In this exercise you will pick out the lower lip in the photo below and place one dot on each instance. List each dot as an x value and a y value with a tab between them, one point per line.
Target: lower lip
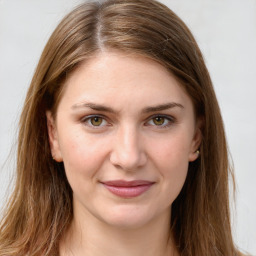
128	192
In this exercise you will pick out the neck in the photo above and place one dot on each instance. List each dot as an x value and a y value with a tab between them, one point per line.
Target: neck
90	236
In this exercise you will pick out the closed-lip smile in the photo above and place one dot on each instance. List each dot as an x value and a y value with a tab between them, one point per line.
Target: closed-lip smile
128	189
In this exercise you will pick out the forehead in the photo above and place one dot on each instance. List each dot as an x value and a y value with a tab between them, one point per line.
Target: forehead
118	78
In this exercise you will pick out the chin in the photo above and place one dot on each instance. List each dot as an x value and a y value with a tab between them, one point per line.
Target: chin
127	217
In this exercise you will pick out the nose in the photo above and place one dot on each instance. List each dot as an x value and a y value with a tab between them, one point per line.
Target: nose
127	152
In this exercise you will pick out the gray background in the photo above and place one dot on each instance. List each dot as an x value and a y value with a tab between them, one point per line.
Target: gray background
226	33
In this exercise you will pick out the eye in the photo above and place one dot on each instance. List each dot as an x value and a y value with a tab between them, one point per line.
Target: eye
161	121
95	121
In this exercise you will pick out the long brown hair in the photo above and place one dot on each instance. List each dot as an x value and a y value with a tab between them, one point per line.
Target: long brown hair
40	209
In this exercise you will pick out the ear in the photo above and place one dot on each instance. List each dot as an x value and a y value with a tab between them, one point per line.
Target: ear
53	137
196	142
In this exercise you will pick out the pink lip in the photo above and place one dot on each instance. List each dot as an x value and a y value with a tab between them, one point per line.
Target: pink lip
128	189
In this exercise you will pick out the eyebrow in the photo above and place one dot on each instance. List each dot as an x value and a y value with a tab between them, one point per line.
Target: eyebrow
162	107
93	106
99	107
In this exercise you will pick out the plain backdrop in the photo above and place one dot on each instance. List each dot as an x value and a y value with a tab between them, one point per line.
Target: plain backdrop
226	33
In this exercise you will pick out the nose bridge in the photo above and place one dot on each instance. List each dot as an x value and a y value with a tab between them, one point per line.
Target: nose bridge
128	152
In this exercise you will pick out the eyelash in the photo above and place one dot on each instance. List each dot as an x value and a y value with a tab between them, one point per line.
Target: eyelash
168	121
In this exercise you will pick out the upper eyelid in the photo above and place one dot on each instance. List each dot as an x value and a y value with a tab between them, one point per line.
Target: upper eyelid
93	115
169	117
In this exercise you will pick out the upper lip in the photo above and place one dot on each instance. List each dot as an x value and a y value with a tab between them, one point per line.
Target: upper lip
124	183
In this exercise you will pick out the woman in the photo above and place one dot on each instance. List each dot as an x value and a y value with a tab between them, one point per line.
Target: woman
121	148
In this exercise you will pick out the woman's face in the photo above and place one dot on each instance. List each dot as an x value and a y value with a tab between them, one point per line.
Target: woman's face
126	131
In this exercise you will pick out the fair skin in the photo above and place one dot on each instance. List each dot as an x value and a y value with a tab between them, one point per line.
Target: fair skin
123	118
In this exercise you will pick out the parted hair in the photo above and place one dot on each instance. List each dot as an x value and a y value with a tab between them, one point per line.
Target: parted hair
39	211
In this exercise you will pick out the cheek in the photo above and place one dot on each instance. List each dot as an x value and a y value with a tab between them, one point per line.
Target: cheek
171	159
83	157
172	150
82	154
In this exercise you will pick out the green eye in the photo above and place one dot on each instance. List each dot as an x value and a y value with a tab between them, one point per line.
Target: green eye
159	120
96	120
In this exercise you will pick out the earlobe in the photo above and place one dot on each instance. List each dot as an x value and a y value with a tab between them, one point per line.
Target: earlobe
53	137
194	155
